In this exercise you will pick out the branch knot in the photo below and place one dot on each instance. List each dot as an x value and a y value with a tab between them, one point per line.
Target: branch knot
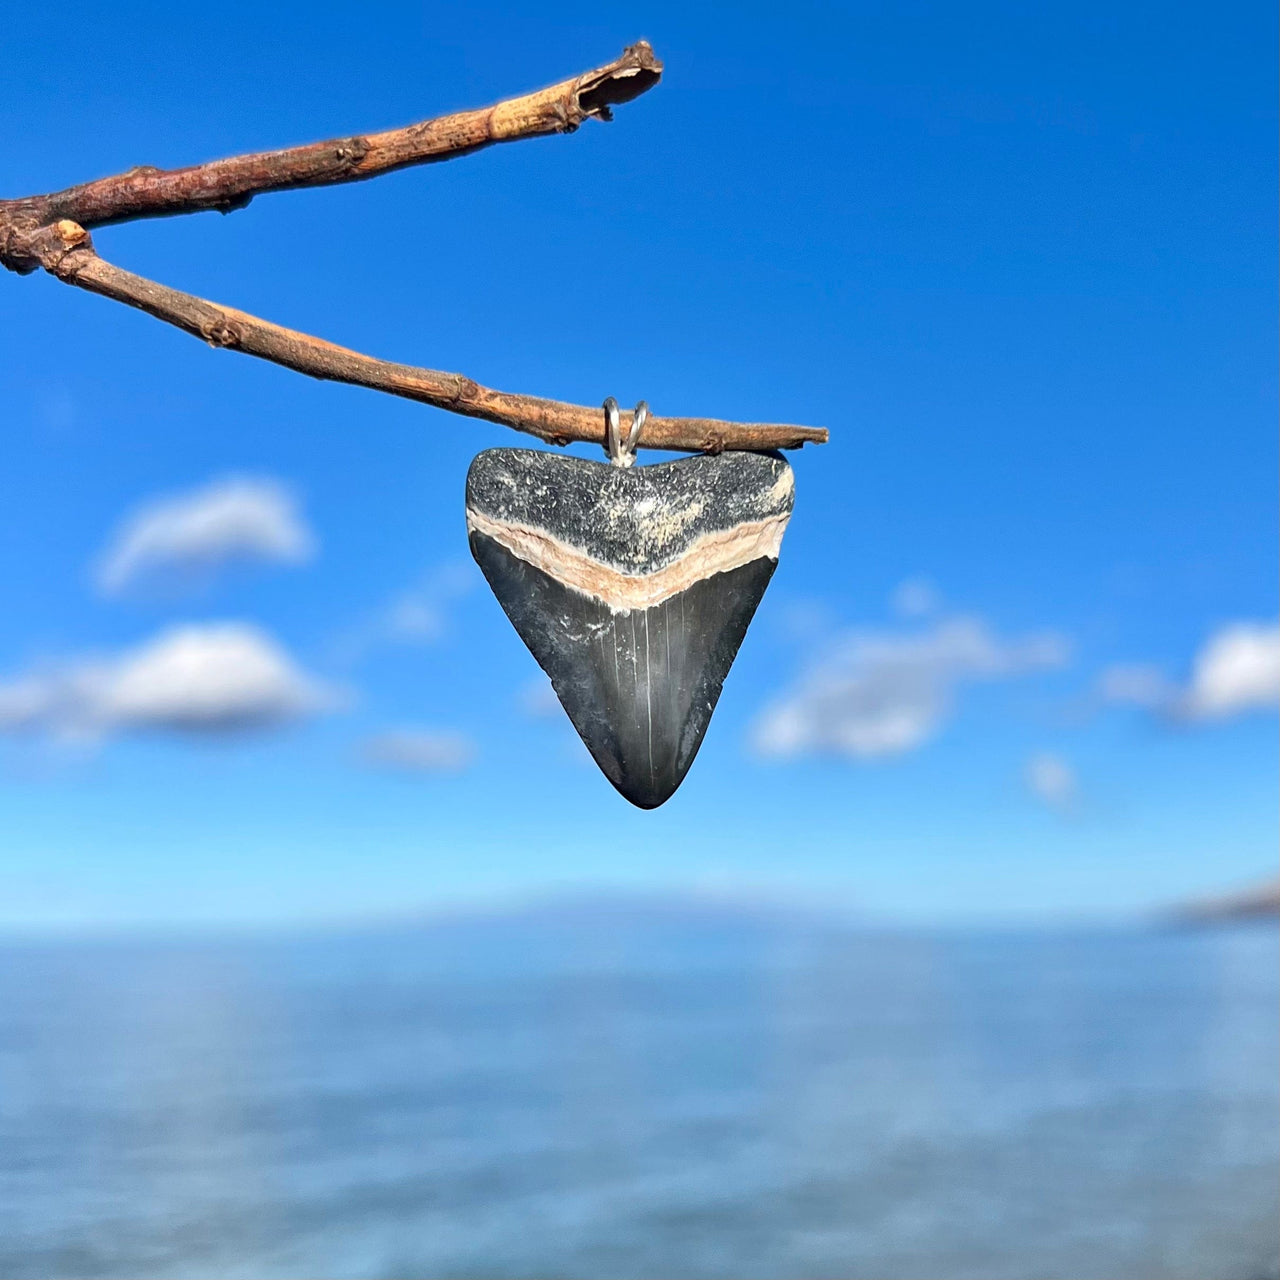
221	331
349	152
60	248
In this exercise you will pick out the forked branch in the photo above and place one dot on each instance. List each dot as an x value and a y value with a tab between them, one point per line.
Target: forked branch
51	231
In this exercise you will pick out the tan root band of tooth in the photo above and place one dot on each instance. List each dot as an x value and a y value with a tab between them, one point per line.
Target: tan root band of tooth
572	567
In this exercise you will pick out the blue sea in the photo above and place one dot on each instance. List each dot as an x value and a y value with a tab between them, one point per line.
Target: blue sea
662	1090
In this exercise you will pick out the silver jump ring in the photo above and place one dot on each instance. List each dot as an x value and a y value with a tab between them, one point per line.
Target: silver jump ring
638	419
622	454
611	445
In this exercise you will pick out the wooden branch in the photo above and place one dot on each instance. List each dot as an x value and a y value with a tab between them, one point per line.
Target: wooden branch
50	231
225	185
68	253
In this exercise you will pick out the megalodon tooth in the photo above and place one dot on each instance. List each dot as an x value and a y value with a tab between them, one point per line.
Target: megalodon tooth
633	588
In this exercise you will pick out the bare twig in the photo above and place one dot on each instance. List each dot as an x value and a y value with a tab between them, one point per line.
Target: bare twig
49	231
68	253
224	185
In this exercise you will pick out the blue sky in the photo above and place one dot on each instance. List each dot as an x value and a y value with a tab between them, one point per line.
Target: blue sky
1019	657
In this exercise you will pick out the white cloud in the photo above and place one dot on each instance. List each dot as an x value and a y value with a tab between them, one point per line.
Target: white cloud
419	751
1052	780
878	694
186	537
196	679
1236	671
916	598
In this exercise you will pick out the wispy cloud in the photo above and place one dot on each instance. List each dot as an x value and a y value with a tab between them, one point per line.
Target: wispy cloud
916	598
1236	671
206	679
1052	781
875	693
1136	684
538	700
420	614
419	751
183	539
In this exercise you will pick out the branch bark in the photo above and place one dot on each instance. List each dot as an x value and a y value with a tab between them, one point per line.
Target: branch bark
51	231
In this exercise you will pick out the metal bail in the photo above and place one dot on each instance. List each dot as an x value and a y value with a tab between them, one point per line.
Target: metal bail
622	453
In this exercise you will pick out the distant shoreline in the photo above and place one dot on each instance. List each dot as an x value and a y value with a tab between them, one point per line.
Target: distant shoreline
1261	902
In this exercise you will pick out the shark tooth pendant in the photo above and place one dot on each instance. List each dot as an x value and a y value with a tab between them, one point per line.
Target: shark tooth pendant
632	587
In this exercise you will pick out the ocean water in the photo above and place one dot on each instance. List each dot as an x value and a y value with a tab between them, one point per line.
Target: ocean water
617	1091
